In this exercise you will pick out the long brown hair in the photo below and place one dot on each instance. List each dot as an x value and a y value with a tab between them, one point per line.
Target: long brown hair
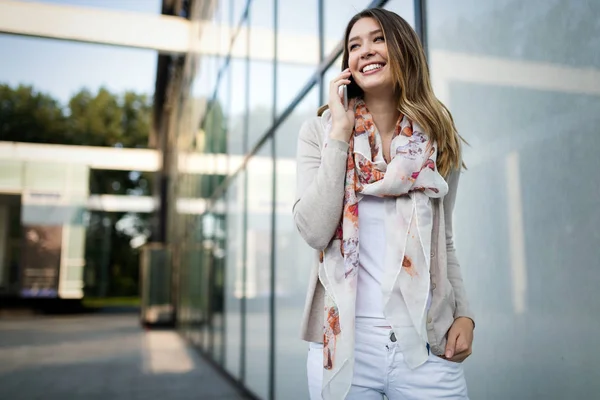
416	99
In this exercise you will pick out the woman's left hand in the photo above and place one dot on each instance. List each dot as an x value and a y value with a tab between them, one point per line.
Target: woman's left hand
460	340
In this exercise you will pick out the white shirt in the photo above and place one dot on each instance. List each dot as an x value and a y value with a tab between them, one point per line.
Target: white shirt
372	240
369	298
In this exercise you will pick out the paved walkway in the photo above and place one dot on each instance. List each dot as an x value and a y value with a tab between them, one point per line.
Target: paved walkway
101	356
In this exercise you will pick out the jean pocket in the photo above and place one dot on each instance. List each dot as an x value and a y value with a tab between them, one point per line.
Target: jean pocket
441	360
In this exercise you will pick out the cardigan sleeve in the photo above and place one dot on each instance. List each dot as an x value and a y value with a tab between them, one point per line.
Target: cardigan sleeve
320	185
454	272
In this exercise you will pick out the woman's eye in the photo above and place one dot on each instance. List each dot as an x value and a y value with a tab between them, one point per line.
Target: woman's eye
380	38
353	46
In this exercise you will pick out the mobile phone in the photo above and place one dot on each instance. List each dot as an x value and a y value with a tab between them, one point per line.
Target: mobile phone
345	94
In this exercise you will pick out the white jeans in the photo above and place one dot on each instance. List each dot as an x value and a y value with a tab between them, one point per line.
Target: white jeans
379	369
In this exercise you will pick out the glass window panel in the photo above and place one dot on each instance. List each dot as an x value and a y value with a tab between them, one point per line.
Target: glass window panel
206	261
184	315
293	260
220	138
291	78
221	25
71	67
239	6
261	101
233	274
215	139
526	224
493	30
146	7
237	110
223	99
258	271
218	280
297	49
204	82
337	15
261	70
330	74
261	19
197	290
404	8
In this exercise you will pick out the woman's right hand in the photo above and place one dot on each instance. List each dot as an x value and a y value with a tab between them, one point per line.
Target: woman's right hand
342	120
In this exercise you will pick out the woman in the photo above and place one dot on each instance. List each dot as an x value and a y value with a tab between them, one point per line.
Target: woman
386	309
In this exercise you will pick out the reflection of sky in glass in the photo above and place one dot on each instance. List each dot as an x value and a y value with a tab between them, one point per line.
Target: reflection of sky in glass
236	105
337	15
298	20
223	12
404	8
261	100
292	77
224	92
290	81
239	6
205	79
145	6
62	68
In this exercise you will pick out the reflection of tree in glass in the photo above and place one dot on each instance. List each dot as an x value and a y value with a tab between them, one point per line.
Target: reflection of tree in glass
101	119
214	125
91	119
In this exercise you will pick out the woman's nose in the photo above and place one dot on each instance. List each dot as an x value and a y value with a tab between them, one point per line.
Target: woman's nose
366	52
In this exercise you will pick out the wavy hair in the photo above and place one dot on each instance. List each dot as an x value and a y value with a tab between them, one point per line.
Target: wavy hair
416	100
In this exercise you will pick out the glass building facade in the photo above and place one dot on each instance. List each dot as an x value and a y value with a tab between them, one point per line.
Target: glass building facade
523	82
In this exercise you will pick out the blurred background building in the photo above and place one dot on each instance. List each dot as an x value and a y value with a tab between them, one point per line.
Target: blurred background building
160	137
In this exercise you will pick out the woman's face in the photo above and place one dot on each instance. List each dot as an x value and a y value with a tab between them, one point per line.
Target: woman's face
368	56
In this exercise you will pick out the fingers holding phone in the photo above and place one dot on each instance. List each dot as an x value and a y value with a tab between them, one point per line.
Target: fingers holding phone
342	109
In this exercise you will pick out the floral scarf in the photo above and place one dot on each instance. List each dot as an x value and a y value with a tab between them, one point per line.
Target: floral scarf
411	179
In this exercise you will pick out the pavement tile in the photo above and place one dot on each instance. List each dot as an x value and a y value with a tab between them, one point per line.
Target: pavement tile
101	357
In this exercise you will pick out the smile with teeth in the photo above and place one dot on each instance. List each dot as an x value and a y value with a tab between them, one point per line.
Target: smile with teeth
372	67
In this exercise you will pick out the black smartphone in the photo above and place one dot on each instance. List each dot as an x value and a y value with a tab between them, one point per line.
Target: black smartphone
345	95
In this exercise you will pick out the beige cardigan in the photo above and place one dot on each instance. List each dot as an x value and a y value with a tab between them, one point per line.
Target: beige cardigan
317	212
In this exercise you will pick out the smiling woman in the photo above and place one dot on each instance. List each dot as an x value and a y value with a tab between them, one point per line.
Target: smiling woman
369	73
376	186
